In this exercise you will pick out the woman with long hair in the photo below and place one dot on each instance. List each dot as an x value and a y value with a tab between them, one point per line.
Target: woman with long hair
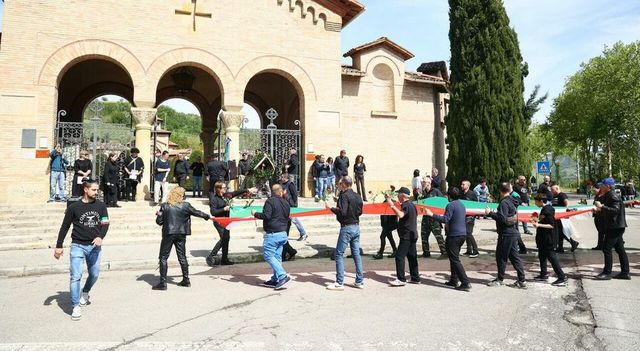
175	218
359	169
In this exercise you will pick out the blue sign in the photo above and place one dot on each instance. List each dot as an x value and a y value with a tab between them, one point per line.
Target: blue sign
544	167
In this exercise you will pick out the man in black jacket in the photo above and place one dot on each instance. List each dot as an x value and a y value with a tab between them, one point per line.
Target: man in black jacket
133	167
521	188
90	221
243	166
470	221
507	247
175	218
181	170
275	220
428	225
408	233
219	206
293	167
215	171
341	165
348	211
613	223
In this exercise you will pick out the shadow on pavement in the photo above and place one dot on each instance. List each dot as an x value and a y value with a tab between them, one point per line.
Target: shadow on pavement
63	299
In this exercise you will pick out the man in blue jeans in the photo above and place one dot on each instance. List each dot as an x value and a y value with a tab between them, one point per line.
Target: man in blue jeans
348	211
275	220
90	224
58	163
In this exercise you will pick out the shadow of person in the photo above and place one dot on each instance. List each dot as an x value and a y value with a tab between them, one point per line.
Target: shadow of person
63	299
199	253
251	280
311	278
153	279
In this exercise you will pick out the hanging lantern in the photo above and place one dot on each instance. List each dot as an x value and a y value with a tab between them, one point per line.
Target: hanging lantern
183	80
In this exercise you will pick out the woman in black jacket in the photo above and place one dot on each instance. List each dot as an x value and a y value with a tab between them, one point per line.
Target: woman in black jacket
175	218
110	181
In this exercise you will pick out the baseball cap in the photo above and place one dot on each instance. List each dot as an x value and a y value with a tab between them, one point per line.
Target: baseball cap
405	191
609	181
598	184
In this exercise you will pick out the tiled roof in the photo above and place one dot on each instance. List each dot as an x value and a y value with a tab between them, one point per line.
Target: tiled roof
384	41
435	68
350	71
347	9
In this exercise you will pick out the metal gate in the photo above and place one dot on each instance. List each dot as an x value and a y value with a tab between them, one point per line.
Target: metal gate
276	142
98	138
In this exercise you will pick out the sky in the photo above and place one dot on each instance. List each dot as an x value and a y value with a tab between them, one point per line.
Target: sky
555	36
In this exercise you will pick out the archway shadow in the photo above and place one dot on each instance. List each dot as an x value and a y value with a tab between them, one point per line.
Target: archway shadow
62	299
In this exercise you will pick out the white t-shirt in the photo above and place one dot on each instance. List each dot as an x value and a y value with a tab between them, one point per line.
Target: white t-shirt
416	182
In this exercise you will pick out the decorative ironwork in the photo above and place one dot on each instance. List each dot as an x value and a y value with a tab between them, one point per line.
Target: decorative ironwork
271	114
101	138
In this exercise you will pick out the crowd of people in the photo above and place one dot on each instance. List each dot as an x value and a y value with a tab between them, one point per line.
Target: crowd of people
90	221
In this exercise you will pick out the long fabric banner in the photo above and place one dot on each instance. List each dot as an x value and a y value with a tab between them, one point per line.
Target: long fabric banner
436	204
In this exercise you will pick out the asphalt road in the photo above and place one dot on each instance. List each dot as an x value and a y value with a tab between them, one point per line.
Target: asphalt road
227	309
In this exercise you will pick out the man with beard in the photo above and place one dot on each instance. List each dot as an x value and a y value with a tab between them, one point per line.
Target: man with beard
614	223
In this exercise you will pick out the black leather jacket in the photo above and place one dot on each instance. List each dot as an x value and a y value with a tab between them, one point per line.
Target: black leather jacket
613	214
176	220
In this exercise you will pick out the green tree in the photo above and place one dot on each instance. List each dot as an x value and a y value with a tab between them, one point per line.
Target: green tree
486	126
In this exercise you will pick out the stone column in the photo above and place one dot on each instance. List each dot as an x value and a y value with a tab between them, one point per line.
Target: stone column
232	121
144	118
207	136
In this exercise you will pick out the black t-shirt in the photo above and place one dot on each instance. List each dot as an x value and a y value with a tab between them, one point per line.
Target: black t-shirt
523	191
559	200
470	195
544	236
408	225
90	221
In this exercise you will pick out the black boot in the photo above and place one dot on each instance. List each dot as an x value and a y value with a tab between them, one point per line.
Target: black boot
162	285
185	276
393	254
211	259
378	255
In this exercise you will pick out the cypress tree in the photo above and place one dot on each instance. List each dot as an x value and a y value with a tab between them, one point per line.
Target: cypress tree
486	126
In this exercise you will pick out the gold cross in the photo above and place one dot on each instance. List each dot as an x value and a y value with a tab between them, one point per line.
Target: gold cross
193	13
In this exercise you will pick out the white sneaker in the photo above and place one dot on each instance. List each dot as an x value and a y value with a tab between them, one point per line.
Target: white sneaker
76	314
335	286
358	285
397	283
84	299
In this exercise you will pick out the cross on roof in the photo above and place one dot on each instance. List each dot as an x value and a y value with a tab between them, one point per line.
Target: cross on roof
193	13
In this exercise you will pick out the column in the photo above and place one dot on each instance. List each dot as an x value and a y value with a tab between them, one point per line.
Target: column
143	118
232	121
207	137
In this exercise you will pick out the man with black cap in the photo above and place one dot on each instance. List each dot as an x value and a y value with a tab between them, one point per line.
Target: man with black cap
613	223
133	166
408	233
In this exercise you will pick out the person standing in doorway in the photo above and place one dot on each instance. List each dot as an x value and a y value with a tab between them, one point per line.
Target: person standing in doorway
359	169
82	168
133	167
197	168
243	166
58	163
110	181
181	171
90	221
293	168
161	174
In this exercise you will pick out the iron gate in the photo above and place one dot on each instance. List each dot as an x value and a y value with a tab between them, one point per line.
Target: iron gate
98	138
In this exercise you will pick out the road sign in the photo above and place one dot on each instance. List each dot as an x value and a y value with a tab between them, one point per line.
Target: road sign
544	167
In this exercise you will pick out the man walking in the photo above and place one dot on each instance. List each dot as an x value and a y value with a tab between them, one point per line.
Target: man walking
290	193
275	219
90	221
613	223
507	247
348	211
58	163
408	233
470	221
428	225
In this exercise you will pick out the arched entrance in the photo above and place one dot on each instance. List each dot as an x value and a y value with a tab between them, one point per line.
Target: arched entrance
278	100
94	101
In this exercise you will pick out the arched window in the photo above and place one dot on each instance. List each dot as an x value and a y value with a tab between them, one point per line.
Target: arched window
383	96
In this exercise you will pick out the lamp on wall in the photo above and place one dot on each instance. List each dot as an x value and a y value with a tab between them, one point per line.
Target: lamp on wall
183	80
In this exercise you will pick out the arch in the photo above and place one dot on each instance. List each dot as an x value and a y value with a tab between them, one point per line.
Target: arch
199	101
95	91
67	56
169	60
385	59
382	89
290	70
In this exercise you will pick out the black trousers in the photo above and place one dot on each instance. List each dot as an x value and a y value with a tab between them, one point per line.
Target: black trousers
613	240
472	246
507	249
453	245
182	180
546	253
387	234
359	178
77	189
222	243
131	189
407	248
287	248
167	242
111	194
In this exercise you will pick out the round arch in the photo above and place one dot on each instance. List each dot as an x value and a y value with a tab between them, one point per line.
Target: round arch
67	56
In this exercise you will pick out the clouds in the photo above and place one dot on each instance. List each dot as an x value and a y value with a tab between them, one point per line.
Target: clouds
555	36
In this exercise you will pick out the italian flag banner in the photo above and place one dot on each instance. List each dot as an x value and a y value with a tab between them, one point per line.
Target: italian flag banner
437	205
